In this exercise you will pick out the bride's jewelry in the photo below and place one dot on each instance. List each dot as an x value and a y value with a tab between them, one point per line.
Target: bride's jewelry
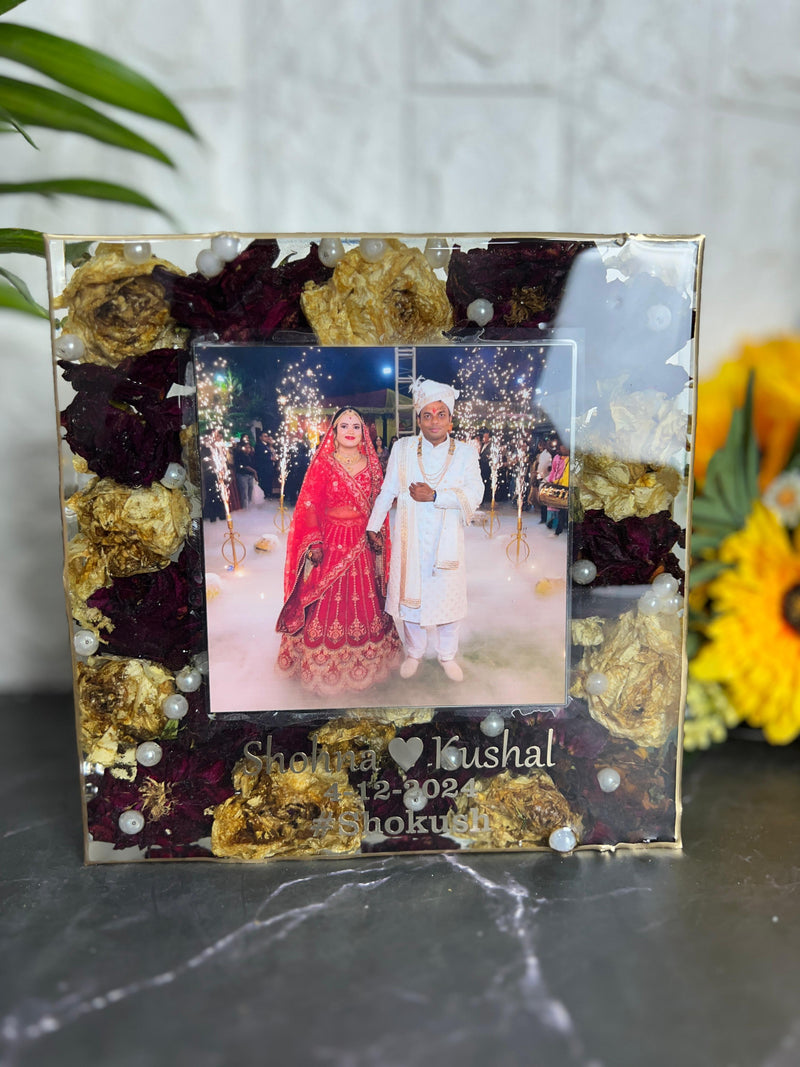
347	461
434	481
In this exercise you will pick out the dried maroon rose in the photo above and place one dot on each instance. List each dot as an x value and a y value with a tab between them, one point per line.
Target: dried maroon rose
121	422
250	299
631	551
152	615
173	796
523	279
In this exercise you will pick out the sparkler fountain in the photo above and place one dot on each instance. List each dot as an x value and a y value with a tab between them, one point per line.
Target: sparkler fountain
215	390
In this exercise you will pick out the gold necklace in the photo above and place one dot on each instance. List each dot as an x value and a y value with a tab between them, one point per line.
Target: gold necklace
434	481
345	461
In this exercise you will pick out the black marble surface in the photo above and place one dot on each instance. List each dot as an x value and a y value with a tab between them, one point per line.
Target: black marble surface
534	959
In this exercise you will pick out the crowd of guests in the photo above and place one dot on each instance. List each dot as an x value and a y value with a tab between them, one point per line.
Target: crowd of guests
542	460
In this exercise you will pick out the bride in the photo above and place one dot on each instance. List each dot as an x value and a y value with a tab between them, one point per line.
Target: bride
336	634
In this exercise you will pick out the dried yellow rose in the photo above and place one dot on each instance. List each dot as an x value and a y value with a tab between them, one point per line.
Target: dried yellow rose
117	308
134	530
522	810
641	660
119	701
398	300
277	815
623	489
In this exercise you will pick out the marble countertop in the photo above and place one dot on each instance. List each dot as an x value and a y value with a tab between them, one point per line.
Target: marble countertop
533	959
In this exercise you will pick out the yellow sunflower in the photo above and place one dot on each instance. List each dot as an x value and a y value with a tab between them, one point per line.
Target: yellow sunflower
754	638
776	404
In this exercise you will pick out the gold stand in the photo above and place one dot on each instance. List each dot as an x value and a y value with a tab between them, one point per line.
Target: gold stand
280	520
233	551
518	542
492	523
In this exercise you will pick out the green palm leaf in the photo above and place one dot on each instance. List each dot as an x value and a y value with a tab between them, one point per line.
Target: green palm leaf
90	187
7	5
12	298
34	105
24	291
7	117
88	71
21	242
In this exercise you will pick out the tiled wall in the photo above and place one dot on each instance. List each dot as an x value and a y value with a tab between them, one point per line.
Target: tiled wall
663	116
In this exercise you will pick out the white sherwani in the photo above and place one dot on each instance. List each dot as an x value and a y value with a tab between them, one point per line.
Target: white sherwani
427	577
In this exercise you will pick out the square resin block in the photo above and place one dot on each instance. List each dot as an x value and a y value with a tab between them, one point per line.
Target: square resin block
376	543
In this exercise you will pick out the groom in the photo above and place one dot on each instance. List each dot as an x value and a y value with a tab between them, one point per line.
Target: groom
438	487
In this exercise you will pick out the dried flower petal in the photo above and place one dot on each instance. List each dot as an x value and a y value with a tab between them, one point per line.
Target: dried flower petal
398	300
275	815
135	530
523	279
354	734
156	616
118	308
124	696
249	300
631	551
587	631
623	489
641	659
522	810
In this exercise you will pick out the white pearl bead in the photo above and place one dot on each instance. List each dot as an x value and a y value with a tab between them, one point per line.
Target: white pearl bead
174	476
414	799
562	840
69	346
131	821
208	263
583	571
225	247
650	604
659	317
372	248
608	779
671	605
595	683
331	250
450	758
149	753
480	311
493	725
188	680
175	706
664	585
437	251
85	642
137	252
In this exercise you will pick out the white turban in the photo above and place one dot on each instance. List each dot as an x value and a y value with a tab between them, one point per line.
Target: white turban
426	391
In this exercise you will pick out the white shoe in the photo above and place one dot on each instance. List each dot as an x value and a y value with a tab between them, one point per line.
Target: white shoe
452	670
408	668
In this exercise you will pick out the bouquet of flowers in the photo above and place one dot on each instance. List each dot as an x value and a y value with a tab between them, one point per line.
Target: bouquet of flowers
744	617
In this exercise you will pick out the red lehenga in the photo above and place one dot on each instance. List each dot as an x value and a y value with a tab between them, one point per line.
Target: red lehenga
336	635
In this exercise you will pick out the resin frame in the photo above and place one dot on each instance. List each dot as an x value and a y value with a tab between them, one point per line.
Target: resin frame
164	776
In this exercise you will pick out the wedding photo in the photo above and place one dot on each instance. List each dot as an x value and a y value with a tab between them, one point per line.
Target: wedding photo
386	527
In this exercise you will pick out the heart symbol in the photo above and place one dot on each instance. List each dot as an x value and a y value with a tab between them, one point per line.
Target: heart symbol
405	753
